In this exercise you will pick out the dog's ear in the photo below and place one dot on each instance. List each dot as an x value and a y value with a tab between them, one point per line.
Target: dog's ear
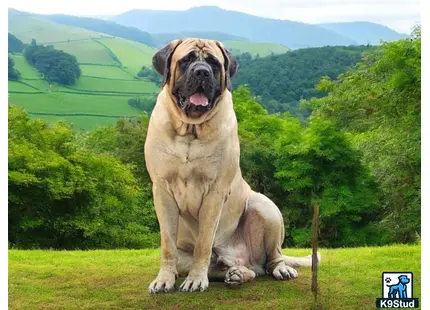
162	60
230	64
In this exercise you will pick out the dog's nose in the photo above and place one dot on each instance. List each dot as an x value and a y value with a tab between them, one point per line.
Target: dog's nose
201	71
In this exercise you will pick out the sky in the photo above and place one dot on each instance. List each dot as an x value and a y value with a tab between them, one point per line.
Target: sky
400	15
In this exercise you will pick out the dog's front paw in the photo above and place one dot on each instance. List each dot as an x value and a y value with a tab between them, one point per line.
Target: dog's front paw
284	272
198	283
164	283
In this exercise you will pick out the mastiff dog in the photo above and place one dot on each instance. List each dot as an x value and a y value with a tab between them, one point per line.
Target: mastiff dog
213	226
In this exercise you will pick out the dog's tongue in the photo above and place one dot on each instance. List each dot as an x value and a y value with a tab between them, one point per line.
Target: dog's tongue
199	99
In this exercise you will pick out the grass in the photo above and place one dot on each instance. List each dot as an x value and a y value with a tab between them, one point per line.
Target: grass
133	55
118	279
105	72
17	86
74	103
132	86
26	28
80	123
254	48
24	67
65	103
86	51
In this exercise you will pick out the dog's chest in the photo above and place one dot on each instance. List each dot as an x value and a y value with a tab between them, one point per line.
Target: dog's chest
193	166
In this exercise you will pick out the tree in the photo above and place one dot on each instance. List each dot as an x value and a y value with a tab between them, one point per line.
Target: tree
57	66
379	104
62	195
13	74
14	44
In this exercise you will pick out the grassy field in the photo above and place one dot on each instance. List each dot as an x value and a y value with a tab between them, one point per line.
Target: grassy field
109	67
86	51
109	85
74	103
108	72
26	28
118	279
254	48
24	68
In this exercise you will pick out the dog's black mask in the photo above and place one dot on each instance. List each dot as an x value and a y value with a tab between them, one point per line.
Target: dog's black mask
199	85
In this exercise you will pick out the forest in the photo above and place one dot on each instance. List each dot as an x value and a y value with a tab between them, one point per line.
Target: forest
357	156
283	80
57	66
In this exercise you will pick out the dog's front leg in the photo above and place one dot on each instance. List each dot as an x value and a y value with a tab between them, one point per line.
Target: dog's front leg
168	217
209	216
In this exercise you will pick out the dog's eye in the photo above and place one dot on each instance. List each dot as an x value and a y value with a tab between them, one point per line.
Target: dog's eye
213	63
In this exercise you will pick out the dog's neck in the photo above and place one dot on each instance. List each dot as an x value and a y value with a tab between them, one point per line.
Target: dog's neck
202	126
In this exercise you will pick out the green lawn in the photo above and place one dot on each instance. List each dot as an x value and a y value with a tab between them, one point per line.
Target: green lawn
254	48
349	279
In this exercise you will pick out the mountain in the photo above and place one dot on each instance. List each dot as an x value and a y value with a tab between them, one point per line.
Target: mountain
214	19
99	25
364	32
162	39
237	45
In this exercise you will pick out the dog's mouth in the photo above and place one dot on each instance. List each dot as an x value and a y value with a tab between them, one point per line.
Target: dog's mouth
197	102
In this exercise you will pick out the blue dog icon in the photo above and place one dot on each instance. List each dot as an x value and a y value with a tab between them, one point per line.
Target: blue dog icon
399	290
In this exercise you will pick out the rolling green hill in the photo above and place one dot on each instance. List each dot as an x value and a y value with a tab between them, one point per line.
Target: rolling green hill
254	48
109	74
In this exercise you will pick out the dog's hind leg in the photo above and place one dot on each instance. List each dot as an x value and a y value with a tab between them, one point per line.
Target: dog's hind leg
265	229
224	270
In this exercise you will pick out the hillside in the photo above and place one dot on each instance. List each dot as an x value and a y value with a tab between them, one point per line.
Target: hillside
364	32
349	279
282	80
103	26
162	39
255	48
214	19
109	67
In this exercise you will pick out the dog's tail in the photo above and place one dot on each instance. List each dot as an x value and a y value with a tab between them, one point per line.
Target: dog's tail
303	261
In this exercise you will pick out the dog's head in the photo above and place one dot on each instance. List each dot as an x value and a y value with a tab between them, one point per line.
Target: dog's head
404	279
196	72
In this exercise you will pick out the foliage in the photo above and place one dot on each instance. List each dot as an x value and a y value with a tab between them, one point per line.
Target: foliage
150	74
14	45
65	197
125	141
379	103
57	66
295	165
13	74
283	80
142	103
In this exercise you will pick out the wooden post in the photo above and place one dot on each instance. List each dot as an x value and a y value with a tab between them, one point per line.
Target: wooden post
314	287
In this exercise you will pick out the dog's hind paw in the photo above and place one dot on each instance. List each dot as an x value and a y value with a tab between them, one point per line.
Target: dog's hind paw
234	277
